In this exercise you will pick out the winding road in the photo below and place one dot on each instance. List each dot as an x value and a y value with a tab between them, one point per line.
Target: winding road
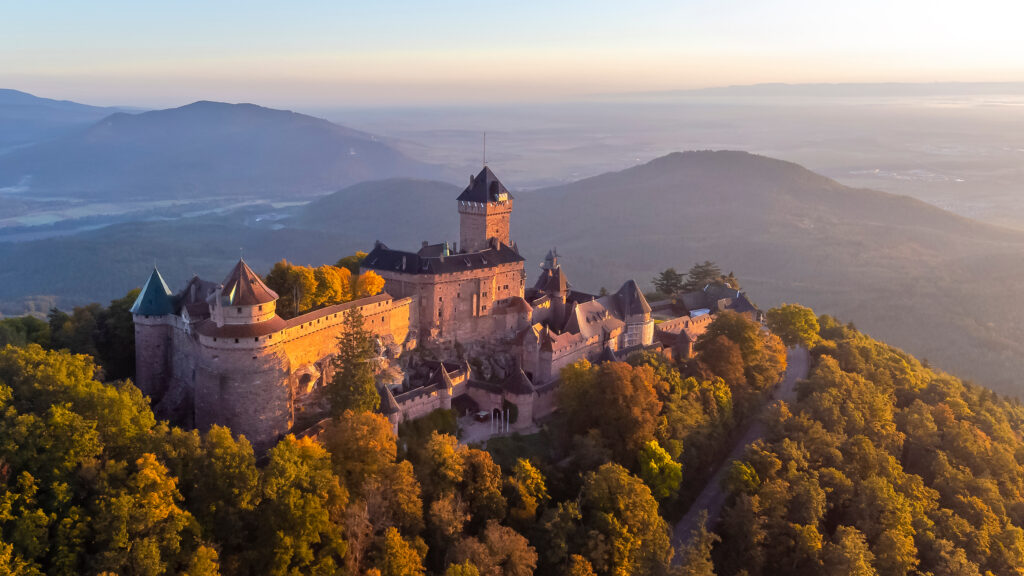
712	498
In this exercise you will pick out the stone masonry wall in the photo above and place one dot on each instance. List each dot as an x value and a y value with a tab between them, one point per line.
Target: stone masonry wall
449	306
152	350
480	222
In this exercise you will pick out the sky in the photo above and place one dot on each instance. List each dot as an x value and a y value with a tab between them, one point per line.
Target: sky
402	53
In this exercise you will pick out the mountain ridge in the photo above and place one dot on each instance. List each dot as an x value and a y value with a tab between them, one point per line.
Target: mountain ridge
206	149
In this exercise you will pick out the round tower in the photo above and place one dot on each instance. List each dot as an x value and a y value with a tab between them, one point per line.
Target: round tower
242	379
152	314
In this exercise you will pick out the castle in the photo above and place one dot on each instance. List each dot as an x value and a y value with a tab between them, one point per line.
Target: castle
219	353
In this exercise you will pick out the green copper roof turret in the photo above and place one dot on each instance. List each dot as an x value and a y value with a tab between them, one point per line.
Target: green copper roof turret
154	298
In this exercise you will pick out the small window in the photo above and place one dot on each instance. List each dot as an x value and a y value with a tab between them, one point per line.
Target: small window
236	340
239	310
256	339
261	307
214	338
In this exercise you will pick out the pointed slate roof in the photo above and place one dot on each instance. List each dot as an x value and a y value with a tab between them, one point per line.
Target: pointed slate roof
632	300
484	188
154	298
518	383
243	287
552	281
551	260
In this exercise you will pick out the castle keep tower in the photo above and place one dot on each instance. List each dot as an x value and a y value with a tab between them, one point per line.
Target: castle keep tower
484	210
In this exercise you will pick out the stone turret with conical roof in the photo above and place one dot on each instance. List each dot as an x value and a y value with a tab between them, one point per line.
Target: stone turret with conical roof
636	312
153	314
485	207
154	298
242	298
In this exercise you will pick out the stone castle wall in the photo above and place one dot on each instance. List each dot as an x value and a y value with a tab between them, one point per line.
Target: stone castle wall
458	305
250	384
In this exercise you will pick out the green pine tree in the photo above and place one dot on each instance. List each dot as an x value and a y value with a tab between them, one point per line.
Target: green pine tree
353	386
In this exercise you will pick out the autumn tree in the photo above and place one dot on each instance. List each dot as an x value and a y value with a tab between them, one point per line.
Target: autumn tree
796	325
399	557
723	358
848	554
528	493
300	511
295	287
499	551
615	399
696	556
353	386
139	527
657	469
219	483
764	356
624	532
361	445
466	568
368	283
579	566
332	286
352	262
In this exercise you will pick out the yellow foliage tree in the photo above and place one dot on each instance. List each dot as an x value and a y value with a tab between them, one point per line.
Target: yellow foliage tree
333	285
368	284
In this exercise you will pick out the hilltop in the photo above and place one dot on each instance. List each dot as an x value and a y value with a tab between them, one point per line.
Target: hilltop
206	149
925	279
27	119
905	271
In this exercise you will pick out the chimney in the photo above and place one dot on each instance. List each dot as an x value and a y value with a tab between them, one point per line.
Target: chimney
424	244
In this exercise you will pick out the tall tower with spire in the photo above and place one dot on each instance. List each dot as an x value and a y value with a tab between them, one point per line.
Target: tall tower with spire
485	207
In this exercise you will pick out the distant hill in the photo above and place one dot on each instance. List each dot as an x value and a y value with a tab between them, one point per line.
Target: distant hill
397	211
927	280
26	119
937	284
206	149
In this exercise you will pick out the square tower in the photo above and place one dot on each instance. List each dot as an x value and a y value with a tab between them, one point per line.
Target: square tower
485	207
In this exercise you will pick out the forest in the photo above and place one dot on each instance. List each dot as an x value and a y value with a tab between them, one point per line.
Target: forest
883	466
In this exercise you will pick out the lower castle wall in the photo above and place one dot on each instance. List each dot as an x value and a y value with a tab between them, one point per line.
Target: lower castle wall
545	402
425	404
249	393
484	399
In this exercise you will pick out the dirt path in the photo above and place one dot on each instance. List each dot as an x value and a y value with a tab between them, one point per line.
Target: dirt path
712	498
